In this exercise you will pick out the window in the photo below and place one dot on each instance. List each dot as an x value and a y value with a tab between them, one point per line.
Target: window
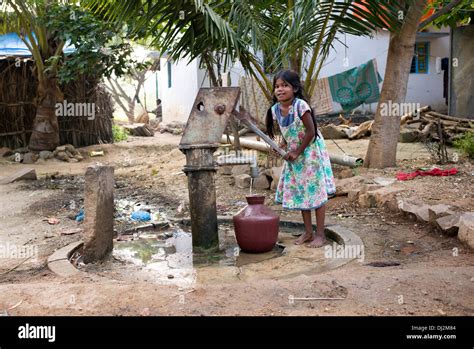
169	73
419	63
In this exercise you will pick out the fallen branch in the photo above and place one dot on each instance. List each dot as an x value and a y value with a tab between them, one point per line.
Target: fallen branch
364	129
447	117
16	266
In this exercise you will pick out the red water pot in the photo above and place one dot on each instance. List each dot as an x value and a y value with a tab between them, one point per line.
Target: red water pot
256	227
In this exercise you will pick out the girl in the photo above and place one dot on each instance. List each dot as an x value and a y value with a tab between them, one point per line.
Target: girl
306	179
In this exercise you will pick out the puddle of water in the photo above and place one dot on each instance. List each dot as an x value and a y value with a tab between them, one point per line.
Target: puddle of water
166	257
177	252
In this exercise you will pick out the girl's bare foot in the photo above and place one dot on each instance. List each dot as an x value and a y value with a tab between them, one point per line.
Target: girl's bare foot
304	238
318	241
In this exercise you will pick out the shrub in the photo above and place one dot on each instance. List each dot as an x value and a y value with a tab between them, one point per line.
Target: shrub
119	133
466	144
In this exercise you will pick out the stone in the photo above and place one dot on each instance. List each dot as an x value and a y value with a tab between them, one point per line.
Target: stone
240	169
61	148
46	154
364	188
344	185
449	225
353	195
73	160
388	197
99	212
62	156
30	158
466	230
261	182
69	154
408	135
79	157
22	150
417	210
4	152
70	148
23	174
367	200
225	170
438	211
383	181
242	181
346	173
16	157
333	132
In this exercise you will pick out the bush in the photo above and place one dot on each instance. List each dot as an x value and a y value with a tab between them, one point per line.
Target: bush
119	133
466	144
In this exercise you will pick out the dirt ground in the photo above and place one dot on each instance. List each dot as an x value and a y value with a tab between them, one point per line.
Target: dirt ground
435	275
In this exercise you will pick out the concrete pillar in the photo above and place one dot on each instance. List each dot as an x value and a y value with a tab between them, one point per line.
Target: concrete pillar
99	212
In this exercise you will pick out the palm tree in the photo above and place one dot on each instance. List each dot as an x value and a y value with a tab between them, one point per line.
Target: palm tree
23	18
296	34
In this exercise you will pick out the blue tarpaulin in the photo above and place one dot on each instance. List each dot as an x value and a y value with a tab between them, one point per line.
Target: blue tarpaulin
12	45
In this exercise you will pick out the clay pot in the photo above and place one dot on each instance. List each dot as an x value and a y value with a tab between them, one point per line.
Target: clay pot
256	227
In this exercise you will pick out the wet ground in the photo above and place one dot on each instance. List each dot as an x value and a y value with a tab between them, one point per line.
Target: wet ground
166	257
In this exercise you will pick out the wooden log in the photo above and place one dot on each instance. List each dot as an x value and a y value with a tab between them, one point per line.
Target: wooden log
447	117
364	129
459	129
409	116
430	118
427	130
140	130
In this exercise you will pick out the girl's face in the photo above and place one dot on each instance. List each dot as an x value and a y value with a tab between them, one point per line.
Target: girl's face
284	91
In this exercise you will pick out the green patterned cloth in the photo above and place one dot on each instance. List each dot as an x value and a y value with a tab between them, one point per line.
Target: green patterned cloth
355	86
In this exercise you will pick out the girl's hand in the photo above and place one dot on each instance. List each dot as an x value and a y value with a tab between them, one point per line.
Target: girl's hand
291	156
282	145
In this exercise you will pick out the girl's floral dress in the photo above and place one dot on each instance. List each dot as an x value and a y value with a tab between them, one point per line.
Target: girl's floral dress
306	182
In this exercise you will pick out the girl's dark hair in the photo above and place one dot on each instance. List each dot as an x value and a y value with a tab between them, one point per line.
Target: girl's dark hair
293	79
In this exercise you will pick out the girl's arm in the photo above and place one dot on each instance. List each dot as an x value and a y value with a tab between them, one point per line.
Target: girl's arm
308	137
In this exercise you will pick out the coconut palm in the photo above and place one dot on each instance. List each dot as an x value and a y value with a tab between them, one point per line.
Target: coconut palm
264	35
45	26
23	18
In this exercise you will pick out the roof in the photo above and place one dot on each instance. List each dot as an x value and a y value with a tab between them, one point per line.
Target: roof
12	45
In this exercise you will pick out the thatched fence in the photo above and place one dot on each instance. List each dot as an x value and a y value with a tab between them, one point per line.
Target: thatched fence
17	108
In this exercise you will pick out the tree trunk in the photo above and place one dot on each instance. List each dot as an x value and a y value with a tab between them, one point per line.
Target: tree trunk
382	149
131	111
45	135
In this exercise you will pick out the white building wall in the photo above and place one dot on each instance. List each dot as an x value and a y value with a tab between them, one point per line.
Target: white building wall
178	99
426	89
